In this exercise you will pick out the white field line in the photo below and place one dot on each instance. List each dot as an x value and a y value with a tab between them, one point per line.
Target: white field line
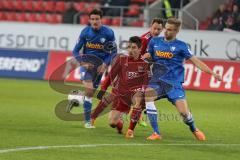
112	145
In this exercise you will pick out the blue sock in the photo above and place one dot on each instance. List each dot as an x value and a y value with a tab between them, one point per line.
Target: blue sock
87	106
152	116
188	120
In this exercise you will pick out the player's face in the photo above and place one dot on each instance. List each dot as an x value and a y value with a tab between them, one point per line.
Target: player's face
170	32
95	21
133	50
156	29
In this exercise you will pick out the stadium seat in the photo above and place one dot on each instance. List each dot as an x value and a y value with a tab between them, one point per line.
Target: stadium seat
38	6
2	16
116	21
106	21
84	19
21	17
133	11
31	17
49	6
28	5
79	6
138	23
60	6
42	18
11	16
19	5
54	18
7	5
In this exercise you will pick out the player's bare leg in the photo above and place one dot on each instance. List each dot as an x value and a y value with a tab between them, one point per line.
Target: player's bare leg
182	108
115	120
87	105
150	96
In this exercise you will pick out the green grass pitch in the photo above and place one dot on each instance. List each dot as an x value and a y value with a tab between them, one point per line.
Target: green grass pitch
27	119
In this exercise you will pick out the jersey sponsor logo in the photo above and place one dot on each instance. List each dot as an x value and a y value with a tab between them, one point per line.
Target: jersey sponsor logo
132	75
94	45
167	55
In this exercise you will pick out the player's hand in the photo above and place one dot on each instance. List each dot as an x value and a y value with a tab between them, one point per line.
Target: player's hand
146	56
102	68
100	94
87	65
217	76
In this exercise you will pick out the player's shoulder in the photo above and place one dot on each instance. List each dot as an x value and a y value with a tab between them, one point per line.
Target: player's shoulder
146	35
180	42
106	29
86	29
157	39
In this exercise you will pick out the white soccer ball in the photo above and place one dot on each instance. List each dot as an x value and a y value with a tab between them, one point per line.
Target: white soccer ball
76	96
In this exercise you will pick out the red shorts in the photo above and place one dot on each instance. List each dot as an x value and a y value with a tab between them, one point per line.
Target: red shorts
123	103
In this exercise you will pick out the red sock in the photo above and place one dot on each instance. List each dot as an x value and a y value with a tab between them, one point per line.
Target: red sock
135	116
100	107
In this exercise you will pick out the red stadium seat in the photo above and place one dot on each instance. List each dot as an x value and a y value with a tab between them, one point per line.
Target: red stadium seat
19	5
42	18
116	21
54	18
7	5
60	6
84	19
1	5
134	10
31	17
49	6
138	23
2	16
38	6
79	6
11	16
21	17
28	5
106	21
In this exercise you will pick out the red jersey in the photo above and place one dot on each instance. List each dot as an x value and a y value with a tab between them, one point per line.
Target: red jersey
145	40
132	75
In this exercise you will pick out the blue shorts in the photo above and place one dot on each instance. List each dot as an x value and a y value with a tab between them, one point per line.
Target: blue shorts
90	75
166	90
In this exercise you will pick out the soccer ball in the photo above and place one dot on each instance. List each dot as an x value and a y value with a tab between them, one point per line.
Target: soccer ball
77	97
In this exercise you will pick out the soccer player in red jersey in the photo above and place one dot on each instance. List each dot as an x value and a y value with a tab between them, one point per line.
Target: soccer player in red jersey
155	30
129	74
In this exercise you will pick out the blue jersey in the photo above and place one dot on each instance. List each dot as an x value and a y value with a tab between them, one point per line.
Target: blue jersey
168	58
94	43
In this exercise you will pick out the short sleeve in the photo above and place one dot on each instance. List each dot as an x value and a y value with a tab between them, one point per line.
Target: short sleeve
186	52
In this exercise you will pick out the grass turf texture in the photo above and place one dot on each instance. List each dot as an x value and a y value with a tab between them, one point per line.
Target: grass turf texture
27	119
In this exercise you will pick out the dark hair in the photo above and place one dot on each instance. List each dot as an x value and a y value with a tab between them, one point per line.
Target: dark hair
137	40
174	21
157	20
96	12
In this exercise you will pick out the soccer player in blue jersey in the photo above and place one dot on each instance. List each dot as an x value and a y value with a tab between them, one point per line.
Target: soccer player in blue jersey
168	55
97	42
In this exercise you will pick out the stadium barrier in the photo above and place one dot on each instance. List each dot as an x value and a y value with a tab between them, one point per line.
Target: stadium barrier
23	64
43	65
203	44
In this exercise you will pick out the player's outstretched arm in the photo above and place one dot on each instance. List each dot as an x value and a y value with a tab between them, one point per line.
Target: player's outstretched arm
201	65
